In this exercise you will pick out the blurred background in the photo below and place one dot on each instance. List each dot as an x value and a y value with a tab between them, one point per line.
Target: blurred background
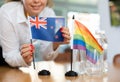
96	15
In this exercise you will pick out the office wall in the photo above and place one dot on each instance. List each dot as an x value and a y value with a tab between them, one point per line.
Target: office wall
112	33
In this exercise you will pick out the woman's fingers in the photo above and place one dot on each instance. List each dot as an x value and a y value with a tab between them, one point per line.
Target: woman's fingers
27	51
66	34
27	48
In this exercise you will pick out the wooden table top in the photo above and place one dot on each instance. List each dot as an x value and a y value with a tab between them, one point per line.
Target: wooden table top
58	70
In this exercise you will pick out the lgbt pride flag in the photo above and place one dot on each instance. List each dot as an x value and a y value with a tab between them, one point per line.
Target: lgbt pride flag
84	40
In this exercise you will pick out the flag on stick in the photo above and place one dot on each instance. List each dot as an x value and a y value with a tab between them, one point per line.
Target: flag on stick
47	28
84	40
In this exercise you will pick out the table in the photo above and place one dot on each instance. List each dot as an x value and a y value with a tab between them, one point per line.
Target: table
58	70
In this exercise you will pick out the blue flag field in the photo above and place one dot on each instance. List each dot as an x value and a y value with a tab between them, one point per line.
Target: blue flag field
47	28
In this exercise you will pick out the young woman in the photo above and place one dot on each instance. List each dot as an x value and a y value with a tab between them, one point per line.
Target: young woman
14	32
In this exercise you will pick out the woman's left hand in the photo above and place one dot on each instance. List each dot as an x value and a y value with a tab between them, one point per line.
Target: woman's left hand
66	35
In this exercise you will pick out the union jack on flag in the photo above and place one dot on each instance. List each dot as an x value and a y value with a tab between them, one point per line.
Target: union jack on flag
47	29
38	22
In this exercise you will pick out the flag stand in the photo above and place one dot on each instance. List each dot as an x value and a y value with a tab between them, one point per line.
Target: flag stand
35	25
71	73
44	72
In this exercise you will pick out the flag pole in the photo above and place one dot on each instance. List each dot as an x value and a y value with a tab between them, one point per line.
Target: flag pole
33	55
31	42
71	73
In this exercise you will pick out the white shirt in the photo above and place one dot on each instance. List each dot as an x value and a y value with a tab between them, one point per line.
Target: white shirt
14	31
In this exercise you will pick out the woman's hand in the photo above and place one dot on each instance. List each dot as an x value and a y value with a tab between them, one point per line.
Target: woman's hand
66	35
27	51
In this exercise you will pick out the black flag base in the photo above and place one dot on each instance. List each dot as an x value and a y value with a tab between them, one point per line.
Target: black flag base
44	73
71	74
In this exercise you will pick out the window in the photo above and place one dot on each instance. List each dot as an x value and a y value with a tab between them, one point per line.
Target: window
61	7
1	2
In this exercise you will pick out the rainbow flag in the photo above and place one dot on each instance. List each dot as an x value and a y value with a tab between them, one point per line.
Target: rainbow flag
84	40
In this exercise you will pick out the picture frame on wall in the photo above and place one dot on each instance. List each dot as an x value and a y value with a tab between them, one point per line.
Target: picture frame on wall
114	6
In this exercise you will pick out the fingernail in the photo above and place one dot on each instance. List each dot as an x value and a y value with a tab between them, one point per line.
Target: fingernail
31	50
32	47
61	29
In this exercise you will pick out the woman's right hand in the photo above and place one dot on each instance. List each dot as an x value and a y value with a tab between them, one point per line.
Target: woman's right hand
27	51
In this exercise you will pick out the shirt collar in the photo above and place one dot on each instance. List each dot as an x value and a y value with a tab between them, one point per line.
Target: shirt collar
20	14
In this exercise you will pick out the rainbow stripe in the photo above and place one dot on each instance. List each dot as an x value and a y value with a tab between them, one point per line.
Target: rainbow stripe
84	40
